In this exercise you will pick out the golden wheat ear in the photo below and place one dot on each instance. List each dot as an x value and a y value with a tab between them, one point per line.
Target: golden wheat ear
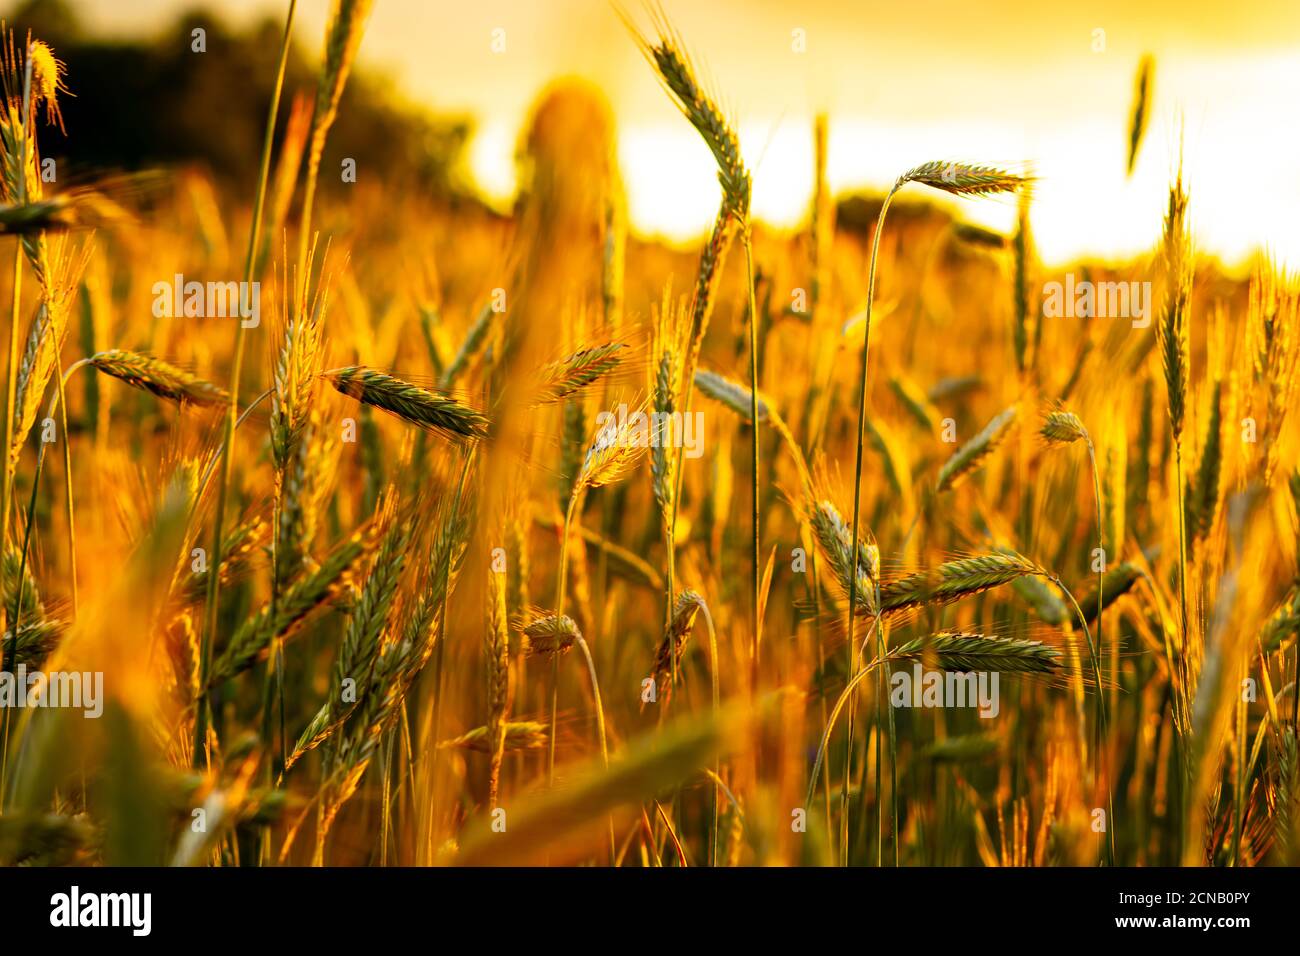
414	404
1140	114
965	179
970	456
562	379
964	651
158	377
551	634
667	54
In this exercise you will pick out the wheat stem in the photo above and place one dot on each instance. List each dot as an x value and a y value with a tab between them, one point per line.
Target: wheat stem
12	377
559	610
857	515
1102	761
227	451
747	240
438	654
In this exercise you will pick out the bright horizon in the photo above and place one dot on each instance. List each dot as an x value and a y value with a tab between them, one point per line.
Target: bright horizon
899	88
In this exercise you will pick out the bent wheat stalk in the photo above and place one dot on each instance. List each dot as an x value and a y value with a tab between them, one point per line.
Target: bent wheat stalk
959	179
953	652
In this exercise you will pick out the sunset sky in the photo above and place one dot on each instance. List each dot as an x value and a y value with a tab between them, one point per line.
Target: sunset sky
1009	82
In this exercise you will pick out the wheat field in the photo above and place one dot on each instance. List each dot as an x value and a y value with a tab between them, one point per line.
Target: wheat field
393	531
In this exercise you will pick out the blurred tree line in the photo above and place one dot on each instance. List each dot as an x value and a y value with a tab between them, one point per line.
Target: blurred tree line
151	101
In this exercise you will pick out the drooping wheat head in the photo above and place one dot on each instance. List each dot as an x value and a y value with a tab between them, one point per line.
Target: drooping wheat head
964	651
414	404
685	610
551	634
1062	427
955	580
157	377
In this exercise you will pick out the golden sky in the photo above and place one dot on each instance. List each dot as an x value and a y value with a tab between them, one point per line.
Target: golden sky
1002	82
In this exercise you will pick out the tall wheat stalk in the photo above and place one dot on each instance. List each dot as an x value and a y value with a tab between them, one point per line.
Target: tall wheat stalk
958	179
610	456
15	189
679	77
1061	427
347	21
232	409
1175	356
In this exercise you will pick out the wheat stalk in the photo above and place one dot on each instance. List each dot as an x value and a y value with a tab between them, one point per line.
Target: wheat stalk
236	374
964	179
684	612
679	77
157	377
550	635
413	404
516	735
962	651
474	341
1175	356
560	380
1140	114
970	456
18	159
858	577
496	657
954	580
300	598
347	21
1202	493
1062	428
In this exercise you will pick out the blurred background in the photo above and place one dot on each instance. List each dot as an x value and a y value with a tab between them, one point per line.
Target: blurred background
444	90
